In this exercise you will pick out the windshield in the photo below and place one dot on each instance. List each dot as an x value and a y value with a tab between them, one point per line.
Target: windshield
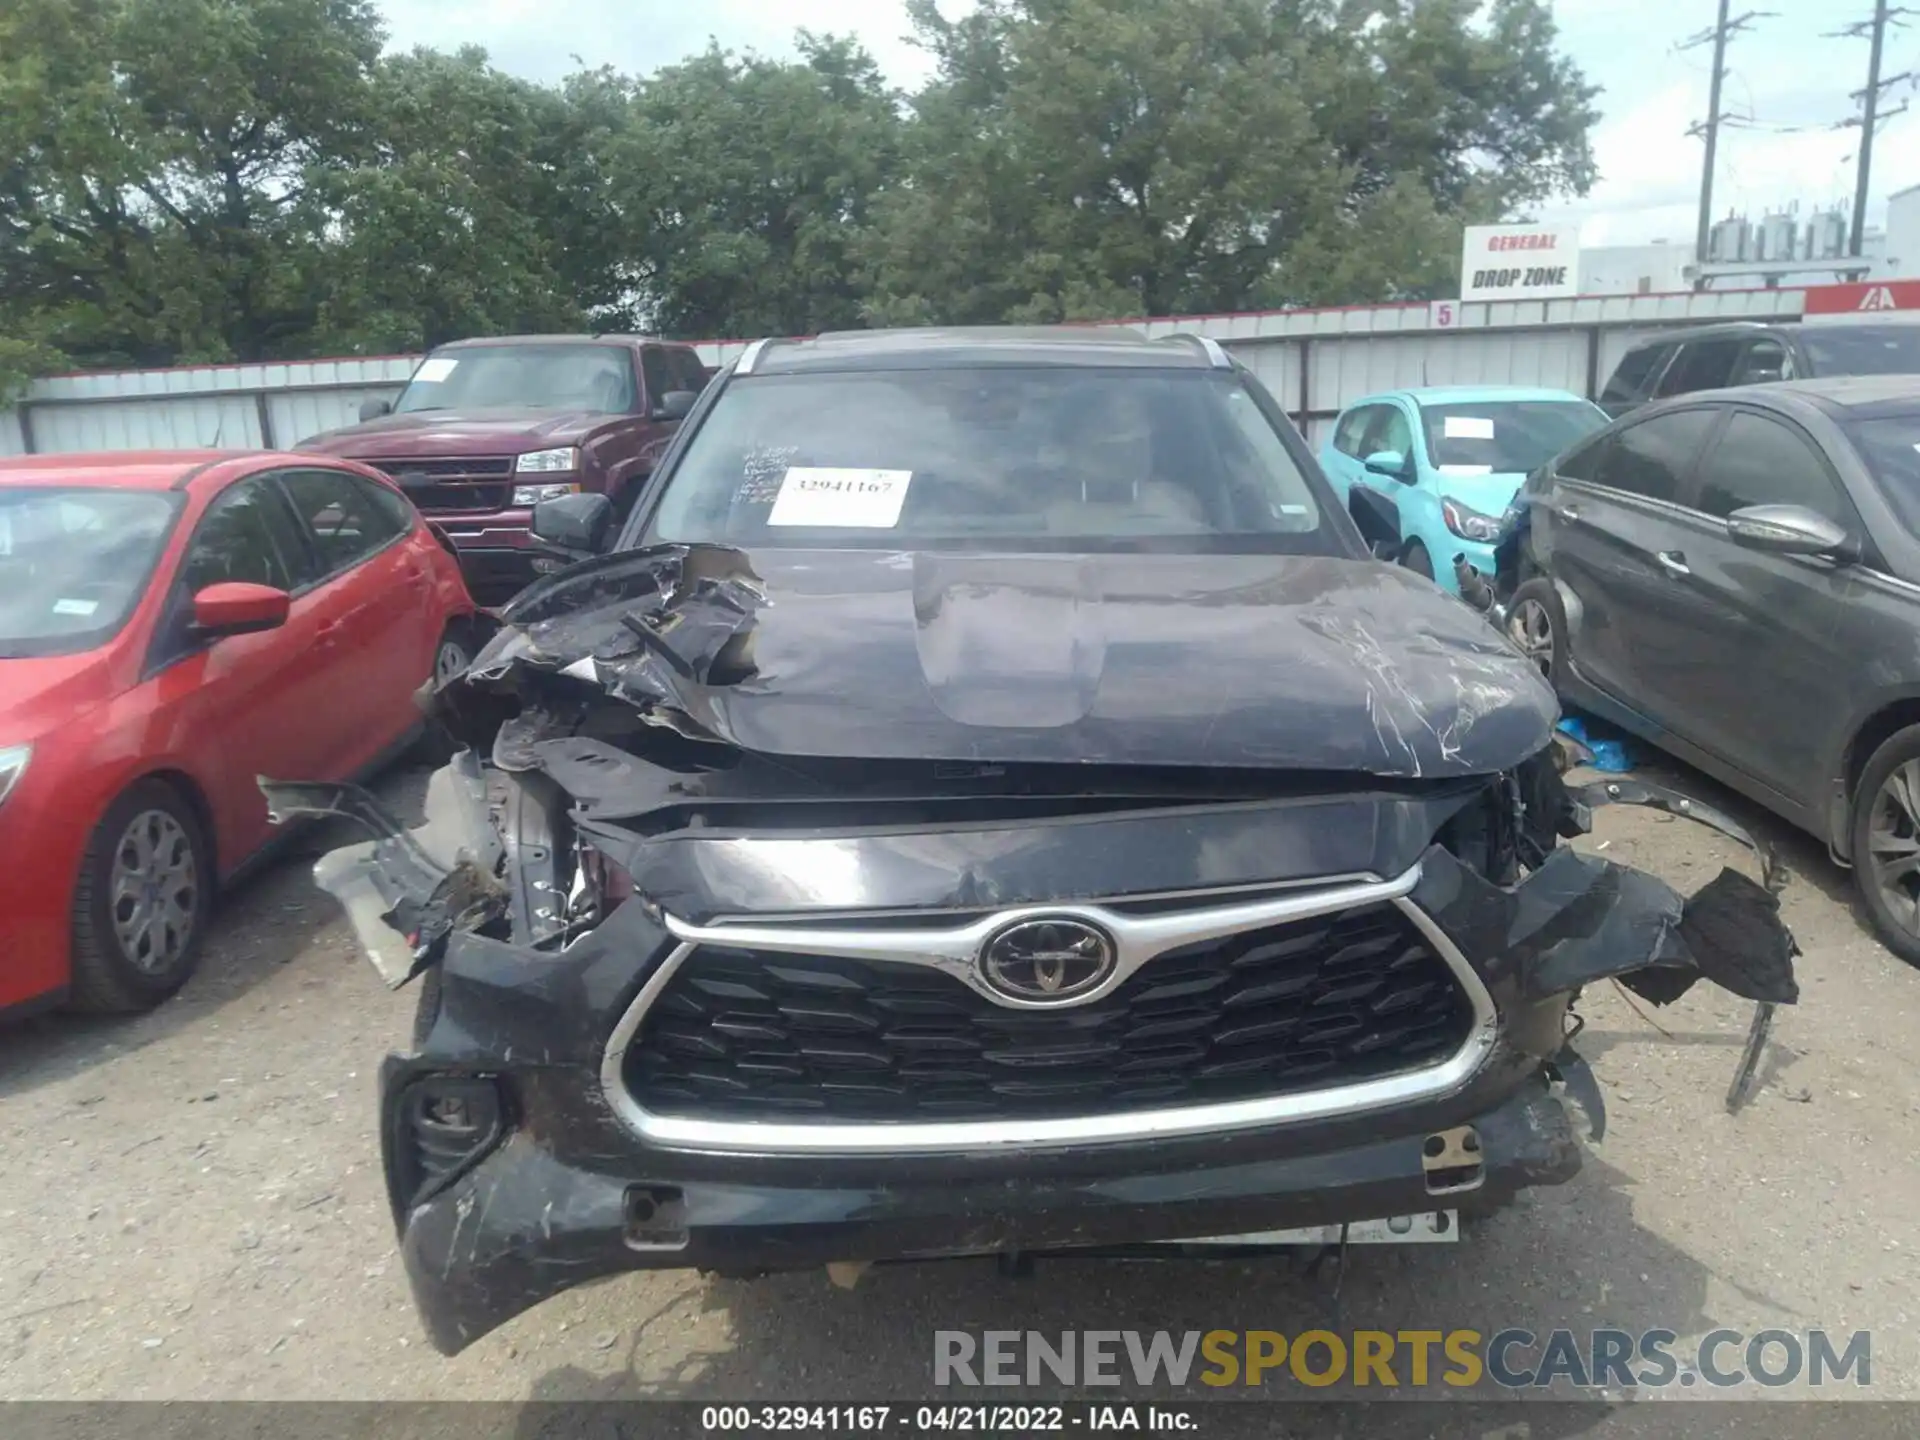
991	457
1505	437
1891	448
73	564
598	378
1863	349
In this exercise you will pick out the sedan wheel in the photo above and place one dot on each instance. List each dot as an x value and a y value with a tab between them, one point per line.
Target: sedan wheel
1531	628
142	899
449	659
155	898
1893	844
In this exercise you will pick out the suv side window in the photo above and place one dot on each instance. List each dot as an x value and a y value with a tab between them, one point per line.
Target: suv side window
1758	461
248	536
1632	377
343	516
1652	457
1702	365
1765	360
1352	428
659	380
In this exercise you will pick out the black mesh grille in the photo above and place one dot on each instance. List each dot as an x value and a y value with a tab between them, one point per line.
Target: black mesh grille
469	483
1302	1006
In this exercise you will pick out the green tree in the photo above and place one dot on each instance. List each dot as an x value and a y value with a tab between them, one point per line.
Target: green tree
156	166
1099	158
482	208
749	183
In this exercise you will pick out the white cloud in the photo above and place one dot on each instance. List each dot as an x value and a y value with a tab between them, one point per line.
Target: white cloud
539	38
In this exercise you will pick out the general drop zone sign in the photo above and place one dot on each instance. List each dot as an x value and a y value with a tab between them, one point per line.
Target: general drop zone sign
1520	262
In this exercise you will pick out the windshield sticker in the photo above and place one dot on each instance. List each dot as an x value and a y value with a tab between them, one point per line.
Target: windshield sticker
840	499
75	607
1469	427
1466	469
438	368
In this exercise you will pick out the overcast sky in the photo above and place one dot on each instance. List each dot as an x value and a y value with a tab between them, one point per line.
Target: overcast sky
1784	74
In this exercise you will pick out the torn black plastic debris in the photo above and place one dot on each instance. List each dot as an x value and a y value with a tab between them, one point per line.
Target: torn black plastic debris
1581	918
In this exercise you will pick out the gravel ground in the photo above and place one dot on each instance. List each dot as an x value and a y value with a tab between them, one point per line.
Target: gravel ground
192	1208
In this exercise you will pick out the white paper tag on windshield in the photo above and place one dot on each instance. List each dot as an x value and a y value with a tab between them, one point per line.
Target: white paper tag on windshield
840	499
438	368
75	607
1469	427
1466	469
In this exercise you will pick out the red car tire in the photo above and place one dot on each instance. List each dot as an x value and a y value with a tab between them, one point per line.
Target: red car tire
141	905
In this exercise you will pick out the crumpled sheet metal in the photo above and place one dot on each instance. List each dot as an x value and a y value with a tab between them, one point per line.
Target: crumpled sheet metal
647	626
406	891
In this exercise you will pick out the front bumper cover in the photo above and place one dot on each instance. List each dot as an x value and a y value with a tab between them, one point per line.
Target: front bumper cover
566	1191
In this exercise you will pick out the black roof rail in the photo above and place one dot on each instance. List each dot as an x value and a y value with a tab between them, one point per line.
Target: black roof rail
750	357
1214	351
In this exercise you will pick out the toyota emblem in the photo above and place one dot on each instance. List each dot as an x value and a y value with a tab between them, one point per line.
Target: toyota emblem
1047	960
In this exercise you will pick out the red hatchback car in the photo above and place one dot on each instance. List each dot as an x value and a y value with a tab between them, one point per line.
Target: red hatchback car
173	626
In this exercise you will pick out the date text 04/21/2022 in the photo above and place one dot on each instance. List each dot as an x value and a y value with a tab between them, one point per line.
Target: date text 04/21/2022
922	1419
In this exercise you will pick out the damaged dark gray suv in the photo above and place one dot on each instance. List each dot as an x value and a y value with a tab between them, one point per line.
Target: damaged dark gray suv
986	800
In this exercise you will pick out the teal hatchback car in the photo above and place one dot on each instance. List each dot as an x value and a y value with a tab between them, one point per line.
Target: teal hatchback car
1449	460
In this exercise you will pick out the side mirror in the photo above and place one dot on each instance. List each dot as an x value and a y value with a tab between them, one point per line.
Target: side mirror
235	607
374	409
674	405
576	523
1390	463
1790	530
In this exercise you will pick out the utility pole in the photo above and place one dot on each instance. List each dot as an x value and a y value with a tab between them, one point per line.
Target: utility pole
1870	116
1709	129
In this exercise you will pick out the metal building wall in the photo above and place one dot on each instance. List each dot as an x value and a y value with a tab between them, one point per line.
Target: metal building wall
1314	361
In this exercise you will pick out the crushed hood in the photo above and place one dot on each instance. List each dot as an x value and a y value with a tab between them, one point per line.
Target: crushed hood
1290	662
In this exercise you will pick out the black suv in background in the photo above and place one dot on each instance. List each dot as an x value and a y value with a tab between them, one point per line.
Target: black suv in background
1715	357
985	800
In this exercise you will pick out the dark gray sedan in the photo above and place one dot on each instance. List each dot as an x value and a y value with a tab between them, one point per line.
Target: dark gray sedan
1735	577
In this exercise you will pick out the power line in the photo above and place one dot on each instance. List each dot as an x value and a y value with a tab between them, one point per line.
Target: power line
1722	30
1871	117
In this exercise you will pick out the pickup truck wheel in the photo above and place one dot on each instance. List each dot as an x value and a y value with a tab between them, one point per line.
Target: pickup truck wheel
1537	626
140	908
1886	842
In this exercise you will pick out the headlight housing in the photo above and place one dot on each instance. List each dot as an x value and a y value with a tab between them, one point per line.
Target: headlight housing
1468	523
534	494
548	462
13	764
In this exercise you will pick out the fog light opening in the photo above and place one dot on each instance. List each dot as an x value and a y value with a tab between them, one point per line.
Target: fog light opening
656	1217
1451	1161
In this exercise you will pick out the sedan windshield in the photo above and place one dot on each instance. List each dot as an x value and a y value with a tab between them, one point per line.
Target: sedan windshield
1891	448
73	564
1863	349
1046	458
595	378
1505	437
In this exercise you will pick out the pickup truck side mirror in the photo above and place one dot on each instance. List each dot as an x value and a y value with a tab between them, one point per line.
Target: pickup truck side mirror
374	409
578	524
674	405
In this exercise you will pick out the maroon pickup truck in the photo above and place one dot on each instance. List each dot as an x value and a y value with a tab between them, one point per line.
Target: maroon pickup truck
486	429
